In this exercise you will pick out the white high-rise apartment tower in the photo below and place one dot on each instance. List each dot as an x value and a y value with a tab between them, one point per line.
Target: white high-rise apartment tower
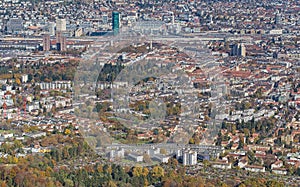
61	25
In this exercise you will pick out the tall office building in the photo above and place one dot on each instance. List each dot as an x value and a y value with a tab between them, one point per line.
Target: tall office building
46	42
189	158
234	50
185	158
58	37
242	50
238	50
51	28
193	158
61	25
115	22
61	42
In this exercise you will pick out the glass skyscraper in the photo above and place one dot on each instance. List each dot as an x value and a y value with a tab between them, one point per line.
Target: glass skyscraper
115	22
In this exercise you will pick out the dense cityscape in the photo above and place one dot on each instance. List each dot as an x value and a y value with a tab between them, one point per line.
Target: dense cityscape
149	93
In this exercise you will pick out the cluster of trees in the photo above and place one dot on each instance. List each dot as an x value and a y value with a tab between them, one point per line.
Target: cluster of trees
56	72
103	93
10	76
73	163
11	148
261	182
243	105
102	107
196	139
42	72
144	107
264	127
44	171
173	109
109	72
258	94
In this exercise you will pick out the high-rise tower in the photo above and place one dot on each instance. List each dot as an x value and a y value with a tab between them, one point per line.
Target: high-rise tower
242	50
115	22
60	42
61	25
46	42
238	50
51	28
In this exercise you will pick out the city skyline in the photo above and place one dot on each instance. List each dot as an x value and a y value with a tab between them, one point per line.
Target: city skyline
149	93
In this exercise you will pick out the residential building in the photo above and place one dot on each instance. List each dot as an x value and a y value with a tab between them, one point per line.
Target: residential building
61	25
46	42
161	158
60	42
51	28
189	158
279	171
221	165
254	168
135	157
238	50
277	164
